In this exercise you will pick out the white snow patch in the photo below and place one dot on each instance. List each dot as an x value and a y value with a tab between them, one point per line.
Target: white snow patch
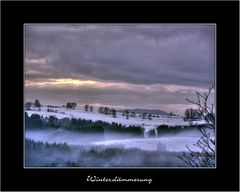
96	116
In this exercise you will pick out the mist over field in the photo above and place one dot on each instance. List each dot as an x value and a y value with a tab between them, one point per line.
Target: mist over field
40	154
57	141
173	142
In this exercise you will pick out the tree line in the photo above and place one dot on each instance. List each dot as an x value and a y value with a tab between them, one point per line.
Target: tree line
44	154
106	110
168	129
102	109
80	125
189	114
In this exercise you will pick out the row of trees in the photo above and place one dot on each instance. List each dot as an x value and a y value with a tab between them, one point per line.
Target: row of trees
36	104
43	154
147	116
70	105
191	114
167	129
128	114
88	108
107	111
111	111
40	145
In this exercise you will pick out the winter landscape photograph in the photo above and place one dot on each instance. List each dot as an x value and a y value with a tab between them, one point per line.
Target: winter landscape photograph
119	95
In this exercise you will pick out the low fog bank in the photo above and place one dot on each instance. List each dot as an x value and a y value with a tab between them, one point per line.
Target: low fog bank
73	137
173	142
41	154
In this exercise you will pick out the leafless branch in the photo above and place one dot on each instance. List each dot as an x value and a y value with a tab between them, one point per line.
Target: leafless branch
205	158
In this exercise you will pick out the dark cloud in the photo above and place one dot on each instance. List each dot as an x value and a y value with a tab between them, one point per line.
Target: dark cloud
131	54
135	54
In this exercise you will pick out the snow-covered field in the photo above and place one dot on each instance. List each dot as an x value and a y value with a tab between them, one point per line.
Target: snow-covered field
171	143
176	142
95	116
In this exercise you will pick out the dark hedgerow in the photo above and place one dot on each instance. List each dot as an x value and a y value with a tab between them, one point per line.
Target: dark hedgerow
34	121
166	129
80	125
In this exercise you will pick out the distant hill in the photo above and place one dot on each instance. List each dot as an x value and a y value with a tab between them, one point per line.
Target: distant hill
152	111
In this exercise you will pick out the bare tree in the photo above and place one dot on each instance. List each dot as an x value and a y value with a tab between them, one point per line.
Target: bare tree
127	114
74	105
37	104
91	108
203	107
28	105
113	112
101	109
71	105
150	116
133	114
106	110
86	107
206	156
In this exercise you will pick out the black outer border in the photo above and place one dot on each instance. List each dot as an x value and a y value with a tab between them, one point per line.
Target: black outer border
224	14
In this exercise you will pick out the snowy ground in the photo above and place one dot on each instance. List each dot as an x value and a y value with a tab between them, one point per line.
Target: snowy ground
172	142
95	115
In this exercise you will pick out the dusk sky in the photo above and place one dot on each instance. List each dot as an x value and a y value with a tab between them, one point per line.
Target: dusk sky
122	66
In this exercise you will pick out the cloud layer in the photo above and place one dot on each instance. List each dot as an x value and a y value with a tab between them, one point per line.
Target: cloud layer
146	59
